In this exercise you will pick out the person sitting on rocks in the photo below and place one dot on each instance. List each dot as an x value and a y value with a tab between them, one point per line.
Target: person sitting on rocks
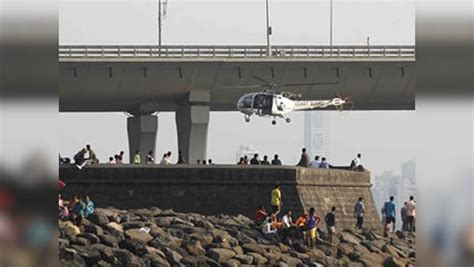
89	206
63	210
311	226
241	161
268	231
288	231
246	160
111	160
288	220
260	216
276	224
79	208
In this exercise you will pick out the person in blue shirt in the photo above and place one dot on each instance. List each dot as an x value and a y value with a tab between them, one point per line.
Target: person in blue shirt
389	210
89	206
79	208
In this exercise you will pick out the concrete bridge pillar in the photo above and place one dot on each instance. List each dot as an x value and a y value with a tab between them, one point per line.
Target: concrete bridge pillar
142	131
192	120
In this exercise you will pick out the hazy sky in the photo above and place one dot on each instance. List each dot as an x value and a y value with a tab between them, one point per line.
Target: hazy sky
384	138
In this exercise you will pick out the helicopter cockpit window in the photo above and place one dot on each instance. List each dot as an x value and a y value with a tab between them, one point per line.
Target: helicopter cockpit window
263	103
246	102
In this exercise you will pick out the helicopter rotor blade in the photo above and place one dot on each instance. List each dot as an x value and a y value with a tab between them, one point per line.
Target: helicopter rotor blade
262	80
306	84
252	86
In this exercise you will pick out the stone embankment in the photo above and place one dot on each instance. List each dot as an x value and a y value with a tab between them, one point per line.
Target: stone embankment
155	237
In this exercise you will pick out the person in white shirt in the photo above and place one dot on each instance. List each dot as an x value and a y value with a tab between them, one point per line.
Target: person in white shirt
287	220
165	160
356	163
267	229
315	163
411	212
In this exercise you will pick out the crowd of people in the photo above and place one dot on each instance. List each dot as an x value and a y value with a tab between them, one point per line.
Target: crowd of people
318	162
76	209
407	214
289	231
256	160
307	226
86	156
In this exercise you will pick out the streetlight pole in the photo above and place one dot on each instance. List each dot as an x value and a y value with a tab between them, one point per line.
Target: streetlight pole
159	23
330	24
269	29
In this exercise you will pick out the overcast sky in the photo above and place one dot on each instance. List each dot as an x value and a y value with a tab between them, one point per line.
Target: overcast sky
384	138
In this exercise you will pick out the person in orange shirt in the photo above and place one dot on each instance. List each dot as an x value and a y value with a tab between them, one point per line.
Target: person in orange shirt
277	225
301	225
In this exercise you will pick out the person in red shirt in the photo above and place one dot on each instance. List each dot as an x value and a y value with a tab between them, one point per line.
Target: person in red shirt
260	216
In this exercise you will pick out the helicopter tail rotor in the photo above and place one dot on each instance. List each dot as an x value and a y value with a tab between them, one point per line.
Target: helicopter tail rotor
346	102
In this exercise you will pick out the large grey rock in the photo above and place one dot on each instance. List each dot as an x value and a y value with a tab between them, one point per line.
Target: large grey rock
173	257
139	235
291	261
244	259
69	228
137	247
393	262
109	240
93	229
220	255
258	259
99	217
195	248
253	248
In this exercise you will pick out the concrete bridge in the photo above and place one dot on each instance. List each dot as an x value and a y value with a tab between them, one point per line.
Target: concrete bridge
194	80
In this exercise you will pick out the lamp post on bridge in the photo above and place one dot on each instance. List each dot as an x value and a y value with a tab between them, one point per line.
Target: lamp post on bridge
330	25
161	12
269	30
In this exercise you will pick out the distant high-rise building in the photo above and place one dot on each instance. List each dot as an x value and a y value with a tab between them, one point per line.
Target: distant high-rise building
400	186
408	181
386	185
317	133
245	150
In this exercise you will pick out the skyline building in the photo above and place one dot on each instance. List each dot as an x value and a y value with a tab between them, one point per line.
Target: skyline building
317	134
245	150
400	186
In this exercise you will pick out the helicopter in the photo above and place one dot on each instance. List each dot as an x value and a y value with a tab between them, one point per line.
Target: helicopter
269	103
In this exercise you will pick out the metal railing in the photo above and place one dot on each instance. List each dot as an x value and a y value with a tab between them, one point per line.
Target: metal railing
235	51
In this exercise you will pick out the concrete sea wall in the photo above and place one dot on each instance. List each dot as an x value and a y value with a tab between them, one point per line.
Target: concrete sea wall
224	189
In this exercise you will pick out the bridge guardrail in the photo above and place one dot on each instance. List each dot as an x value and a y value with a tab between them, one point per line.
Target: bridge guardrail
205	51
